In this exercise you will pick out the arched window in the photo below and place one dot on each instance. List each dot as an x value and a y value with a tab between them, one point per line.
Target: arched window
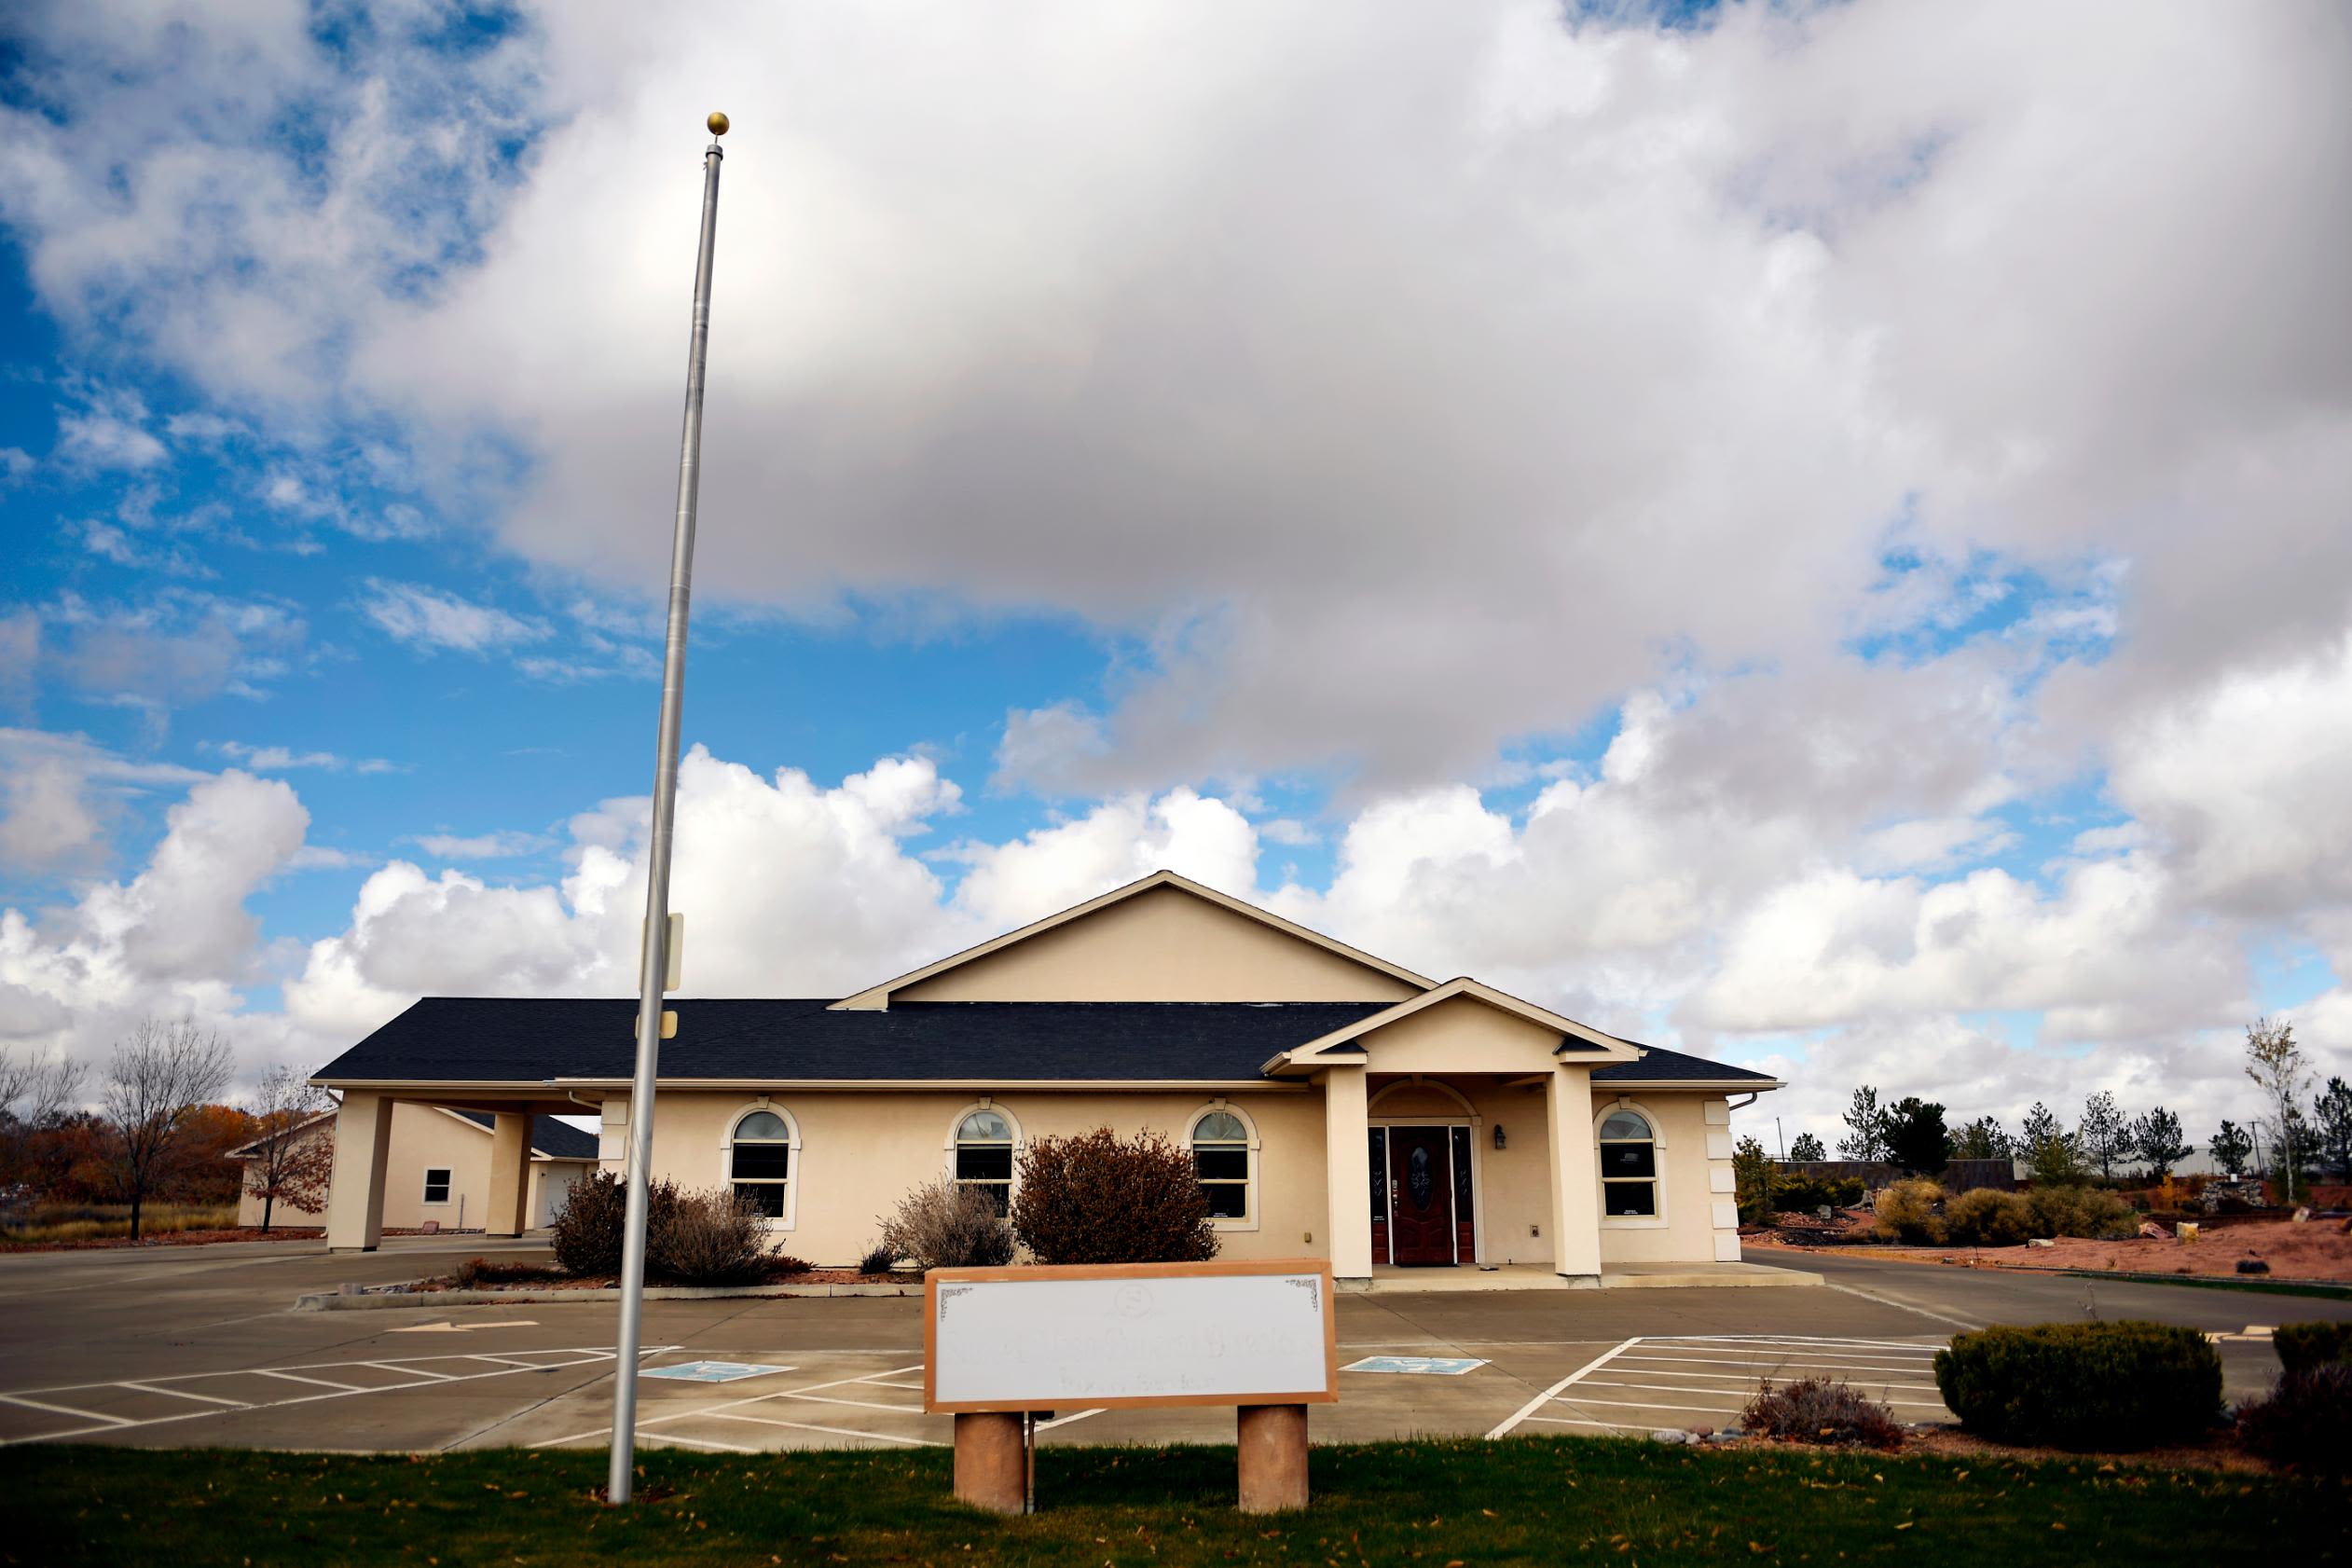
760	1162
983	1156
1220	1156
1628	1165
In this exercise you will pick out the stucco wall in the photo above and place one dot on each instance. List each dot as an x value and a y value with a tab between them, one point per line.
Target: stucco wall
1165	945
423	1136
861	1151
1697	1209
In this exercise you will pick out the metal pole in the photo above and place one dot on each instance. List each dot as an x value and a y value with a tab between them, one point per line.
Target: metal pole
655	954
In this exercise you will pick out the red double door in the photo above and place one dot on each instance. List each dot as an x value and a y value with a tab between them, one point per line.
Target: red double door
1426	1225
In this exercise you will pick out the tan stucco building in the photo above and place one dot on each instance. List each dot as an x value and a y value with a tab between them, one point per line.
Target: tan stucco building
1338	1103
438	1170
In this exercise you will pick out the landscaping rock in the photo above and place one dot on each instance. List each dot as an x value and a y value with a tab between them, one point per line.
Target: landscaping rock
1669	1435
1702	1433
2253	1266
2039	1240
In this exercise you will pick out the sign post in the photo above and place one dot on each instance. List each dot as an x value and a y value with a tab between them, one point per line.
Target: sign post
1000	1344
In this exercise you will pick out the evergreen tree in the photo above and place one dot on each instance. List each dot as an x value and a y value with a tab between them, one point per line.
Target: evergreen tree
1868	1137
1984	1138
2231	1148
2331	1118
1807	1146
1917	1141
2105	1134
1752	1181
2155	1138
2054	1156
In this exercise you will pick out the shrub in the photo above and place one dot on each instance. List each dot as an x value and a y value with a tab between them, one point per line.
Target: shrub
2300	1345
1906	1212
1098	1198
1988	1217
707	1238
1821	1410
1804	1194
588	1233
2082	1385
941	1225
2306	1421
784	1263
2081	1211
879	1259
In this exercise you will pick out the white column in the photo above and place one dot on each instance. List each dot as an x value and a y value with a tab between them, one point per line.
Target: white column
510	1174
1347	1174
362	1145
1576	1179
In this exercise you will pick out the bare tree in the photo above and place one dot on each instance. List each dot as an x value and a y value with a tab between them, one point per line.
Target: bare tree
35	1091
2275	1062
292	1161
158	1079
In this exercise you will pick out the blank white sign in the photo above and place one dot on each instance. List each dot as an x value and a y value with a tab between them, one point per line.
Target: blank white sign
1044	1343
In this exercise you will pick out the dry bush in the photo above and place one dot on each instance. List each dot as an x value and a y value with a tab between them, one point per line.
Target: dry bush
588	1233
879	1259
1099	1198
1821	1410
709	1238
1988	1217
1906	1213
941	1225
2081	1211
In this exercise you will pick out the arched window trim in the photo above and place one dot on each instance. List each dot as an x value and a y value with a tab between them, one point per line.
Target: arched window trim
1020	1140
1254	1206
1658	1186
791	1216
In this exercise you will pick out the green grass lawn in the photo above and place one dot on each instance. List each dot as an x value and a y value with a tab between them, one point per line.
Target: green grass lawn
1524	1501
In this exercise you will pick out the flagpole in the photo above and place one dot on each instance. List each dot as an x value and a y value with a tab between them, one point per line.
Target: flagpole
654	956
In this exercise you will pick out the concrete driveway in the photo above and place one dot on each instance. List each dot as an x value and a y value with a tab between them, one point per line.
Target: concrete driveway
190	1346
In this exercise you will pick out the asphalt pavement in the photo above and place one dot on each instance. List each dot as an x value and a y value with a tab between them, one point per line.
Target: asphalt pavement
173	1346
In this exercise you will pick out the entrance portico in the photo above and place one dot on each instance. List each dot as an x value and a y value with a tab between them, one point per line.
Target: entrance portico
1420	1100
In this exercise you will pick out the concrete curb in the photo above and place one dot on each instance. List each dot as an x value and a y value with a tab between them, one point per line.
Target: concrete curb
433	1301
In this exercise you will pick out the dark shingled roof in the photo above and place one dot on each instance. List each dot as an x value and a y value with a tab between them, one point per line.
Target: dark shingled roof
1661	1065
509	1039
531	1039
557	1140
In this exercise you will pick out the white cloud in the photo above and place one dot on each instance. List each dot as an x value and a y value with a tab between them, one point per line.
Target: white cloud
281	759
502	844
110	431
59	797
431	618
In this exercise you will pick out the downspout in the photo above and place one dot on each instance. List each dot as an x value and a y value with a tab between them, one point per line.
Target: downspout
1754	1095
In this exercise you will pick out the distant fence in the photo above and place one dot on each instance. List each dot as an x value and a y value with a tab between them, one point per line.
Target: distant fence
1960	1175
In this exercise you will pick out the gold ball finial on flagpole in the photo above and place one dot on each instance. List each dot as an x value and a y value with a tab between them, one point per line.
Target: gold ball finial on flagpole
718	124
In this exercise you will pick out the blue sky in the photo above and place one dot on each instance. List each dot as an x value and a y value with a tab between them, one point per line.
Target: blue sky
1544	524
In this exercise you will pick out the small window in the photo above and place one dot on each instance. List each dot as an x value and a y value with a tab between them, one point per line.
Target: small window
1220	1154
436	1185
1628	1166
760	1162
983	1156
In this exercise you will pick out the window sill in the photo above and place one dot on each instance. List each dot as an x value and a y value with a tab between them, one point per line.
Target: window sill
1215	1224
1633	1222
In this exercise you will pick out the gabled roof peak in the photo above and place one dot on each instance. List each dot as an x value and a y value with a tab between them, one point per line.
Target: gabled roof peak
879	996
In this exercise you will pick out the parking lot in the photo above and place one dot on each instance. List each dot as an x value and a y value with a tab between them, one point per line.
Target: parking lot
185	1346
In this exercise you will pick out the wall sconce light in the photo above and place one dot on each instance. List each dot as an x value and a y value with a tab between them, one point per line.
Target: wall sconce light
1499	1139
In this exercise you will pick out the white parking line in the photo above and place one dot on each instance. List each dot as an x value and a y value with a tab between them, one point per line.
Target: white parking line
724	1406
1687	1368
322	1383
67	1411
835	1431
427	1378
183	1394
1547	1395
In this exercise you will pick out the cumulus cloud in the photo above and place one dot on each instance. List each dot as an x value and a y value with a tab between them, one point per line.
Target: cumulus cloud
174	940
